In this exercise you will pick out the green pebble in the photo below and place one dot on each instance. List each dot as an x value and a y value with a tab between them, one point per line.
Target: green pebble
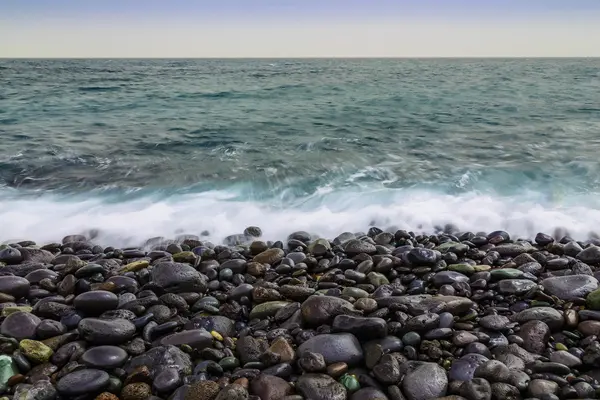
376	279
560	346
184	257
7	368
35	351
466	269
229	363
593	300
9	310
350	382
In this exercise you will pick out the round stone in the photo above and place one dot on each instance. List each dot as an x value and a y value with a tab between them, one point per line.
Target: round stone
85	381
104	357
100	331
20	325
96	302
15	286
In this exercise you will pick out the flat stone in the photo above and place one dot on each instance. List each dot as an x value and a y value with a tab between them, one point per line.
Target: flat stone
339	347
362	327
15	286
426	381
463	369
83	382
197	339
96	302
570	287
104	357
321	310
100	331
320	387
515	286
20	325
552	317
267	309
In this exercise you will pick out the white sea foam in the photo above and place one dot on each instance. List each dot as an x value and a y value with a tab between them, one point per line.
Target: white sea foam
327	213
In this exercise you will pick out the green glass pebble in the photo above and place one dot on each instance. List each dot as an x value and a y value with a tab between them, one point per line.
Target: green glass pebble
350	382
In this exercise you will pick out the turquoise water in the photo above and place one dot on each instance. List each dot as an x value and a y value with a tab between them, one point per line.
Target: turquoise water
139	148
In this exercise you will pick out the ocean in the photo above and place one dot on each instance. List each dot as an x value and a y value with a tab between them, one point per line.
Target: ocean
133	149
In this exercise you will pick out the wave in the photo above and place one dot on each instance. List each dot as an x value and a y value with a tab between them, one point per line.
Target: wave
122	221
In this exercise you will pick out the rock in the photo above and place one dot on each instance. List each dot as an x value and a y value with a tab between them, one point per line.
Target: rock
8	368
538	388
535	335
476	389
570	287
267	309
589	328
361	327
319	247
387	371
185	257
423	256
96	302
32	255
320	387
202	390
160	358
449	278
15	286
10	255
282	347
83	382
249	348
20	325
104	357
313	362
99	331
495	322
355	247
178	278
136	391
426	381
270	256
515	286
321	310
339	347
167	381
197	339
552	317
493	371
513	249
593	300
269	387
35	351
565	358
590	255
463	369
369	393
233	392
40	390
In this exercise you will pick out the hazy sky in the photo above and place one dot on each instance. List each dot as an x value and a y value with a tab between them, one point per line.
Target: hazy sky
299	28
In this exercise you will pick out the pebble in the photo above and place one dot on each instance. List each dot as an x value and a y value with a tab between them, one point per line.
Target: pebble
104	357
383	315
83	382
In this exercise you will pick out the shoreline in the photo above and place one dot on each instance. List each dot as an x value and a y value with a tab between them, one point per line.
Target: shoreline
379	315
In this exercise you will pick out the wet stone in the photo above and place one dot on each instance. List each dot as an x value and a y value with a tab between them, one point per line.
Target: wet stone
85	381
104	357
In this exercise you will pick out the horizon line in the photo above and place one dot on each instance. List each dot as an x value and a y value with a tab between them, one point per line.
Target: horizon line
306	58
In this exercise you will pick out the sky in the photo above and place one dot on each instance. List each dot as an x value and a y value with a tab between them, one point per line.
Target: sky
299	28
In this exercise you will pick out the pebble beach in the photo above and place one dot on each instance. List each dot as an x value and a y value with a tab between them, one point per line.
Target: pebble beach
377	315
